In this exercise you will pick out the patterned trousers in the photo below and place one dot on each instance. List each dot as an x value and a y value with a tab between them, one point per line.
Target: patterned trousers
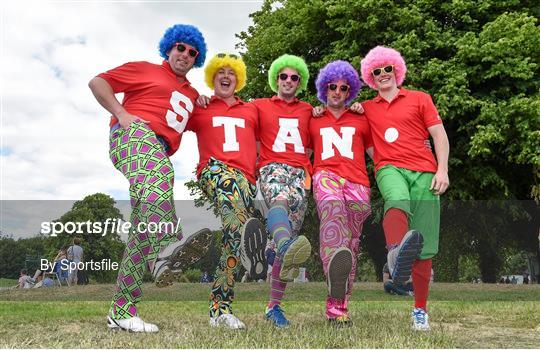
138	155
282	182
343	206
233	196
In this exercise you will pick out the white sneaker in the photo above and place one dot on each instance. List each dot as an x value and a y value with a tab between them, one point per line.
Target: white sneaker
132	324
420	320
228	320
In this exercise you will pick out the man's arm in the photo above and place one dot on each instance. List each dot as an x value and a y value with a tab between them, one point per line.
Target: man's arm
104	94
369	151
440	181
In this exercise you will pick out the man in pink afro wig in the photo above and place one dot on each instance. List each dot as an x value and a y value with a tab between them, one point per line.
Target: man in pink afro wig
381	56
408	175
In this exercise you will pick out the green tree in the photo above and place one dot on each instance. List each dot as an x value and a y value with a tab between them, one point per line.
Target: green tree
11	257
480	62
94	208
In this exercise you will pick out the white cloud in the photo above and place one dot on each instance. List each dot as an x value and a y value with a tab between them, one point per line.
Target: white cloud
54	134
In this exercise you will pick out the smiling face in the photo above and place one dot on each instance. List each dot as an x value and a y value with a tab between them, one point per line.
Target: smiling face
336	96
385	81
287	87
224	82
181	61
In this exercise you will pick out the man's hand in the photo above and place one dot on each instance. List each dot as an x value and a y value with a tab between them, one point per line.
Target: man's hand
202	101
357	108
440	182
317	111
125	120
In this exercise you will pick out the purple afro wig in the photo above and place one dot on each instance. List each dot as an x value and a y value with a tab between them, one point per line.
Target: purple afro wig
187	34
334	71
381	56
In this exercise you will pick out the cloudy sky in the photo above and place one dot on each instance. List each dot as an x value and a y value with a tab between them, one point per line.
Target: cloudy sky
54	135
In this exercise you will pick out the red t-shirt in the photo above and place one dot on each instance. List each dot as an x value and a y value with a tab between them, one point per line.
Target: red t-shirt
153	92
284	132
399	129
227	133
339	145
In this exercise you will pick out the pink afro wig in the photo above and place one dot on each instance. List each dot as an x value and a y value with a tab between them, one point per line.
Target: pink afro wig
381	56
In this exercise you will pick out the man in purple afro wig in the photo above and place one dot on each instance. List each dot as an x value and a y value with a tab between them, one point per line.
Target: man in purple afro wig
409	176
145	130
340	139
334	71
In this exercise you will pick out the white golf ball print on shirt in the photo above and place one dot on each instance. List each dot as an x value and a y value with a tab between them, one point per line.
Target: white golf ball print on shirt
391	135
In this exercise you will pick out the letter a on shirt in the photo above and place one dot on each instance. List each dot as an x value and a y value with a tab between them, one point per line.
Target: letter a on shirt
229	124
343	144
288	133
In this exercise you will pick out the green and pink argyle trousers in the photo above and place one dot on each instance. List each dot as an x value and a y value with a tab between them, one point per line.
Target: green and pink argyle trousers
141	158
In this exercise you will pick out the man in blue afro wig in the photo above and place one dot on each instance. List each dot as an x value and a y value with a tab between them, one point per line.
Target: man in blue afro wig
183	34
146	128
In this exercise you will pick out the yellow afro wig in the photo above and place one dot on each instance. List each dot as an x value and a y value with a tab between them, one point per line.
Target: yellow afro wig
226	60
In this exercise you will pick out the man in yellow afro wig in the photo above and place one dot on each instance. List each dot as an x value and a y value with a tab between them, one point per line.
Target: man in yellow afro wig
226	129
226	60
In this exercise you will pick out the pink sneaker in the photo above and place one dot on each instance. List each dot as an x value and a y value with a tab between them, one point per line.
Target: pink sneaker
336	312
335	307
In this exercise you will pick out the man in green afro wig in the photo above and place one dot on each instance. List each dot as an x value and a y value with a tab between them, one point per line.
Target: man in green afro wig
288	61
285	173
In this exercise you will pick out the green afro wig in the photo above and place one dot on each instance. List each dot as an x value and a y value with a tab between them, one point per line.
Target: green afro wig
288	61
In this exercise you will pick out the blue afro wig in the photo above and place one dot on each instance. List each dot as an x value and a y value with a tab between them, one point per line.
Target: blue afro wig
334	71
187	34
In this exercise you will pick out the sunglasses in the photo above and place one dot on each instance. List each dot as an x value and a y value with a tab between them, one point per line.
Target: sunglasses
284	76
223	55
342	88
377	71
181	48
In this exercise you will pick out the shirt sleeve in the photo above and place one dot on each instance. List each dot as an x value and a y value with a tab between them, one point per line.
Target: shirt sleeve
123	78
309	117
368	140
192	124
429	112
255	113
256	109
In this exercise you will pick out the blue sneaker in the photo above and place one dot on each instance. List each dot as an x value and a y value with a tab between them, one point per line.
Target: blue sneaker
420	320
292	254
277	317
401	258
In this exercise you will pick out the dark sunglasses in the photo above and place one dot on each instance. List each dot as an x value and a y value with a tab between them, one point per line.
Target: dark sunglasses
342	88
284	76
377	71
181	48
223	55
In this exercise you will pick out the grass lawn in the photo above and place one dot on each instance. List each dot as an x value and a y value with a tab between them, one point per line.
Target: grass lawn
461	315
6	282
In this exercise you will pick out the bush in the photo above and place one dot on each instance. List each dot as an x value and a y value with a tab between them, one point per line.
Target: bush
191	275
